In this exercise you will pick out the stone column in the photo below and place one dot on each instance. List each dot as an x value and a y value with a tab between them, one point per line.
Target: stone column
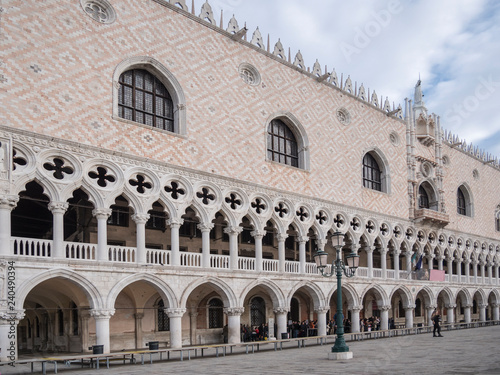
496	265
281	253
281	314
102	215
233	245
102	318
467	271
175	316
474	271
175	224
58	209
205	229
409	316
408	255
495	312
9	321
193	317
140	224
321	318
449	263
440	262
459	269
234	324
355	319
258	235
302	253
482	312
138	330
430	309
384	317
467	310
396	264
490	272
430	258
450	312
369	256
7	204
383	258
482	271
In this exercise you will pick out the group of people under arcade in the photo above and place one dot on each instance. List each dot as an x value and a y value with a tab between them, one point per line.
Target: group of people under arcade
255	333
304	328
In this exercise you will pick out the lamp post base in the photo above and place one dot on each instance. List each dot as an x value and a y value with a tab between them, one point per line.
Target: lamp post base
340	356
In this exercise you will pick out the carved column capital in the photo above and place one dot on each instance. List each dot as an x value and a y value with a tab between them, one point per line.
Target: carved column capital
233	230
385	307
58	207
302	239
140	218
7	316
234	311
450	306
322	310
258	233
281	310
174	222
281	237
175	313
102	213
8	202
205	227
102	314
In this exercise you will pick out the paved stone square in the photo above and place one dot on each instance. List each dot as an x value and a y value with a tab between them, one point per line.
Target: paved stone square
471	351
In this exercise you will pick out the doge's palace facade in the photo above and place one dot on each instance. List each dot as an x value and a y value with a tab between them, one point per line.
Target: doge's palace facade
163	175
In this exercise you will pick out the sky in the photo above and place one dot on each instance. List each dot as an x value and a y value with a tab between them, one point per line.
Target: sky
452	45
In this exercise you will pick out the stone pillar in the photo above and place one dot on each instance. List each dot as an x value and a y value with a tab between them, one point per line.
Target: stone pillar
140	225
409	316
102	215
450	312
321	318
175	224
467	271
233	324
175	316
482	312
9	321
490	272
474	271
138	330
85	316
233	245
369	256
205	229
355	319
467	310
281	314
482	271
396	264
102	318
58	209
384	317
383	258
302	253
430	258
496	265
258	235
193	317
408	255
449	263
495	312
440	262
430	309
281	253
7	204
458	261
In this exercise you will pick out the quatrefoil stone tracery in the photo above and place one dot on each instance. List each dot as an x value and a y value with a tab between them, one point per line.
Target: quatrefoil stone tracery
59	168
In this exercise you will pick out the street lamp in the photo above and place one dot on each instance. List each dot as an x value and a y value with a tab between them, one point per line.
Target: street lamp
338	266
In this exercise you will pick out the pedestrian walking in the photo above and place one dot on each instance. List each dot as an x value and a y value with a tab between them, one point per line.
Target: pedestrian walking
436	318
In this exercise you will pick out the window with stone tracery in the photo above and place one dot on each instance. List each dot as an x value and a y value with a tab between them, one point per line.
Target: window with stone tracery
215	313
163	319
144	99
464	201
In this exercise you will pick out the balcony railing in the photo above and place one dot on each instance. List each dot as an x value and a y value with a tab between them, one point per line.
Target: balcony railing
30	248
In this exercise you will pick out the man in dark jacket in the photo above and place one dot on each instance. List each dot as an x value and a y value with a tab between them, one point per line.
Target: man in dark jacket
436	318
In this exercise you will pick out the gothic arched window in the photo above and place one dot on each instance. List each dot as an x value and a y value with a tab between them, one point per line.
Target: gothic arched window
144	99
281	144
423	199
215	313
257	311
461	204
371	173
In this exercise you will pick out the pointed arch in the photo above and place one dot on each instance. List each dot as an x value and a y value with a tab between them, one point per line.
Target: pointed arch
226	293
376	173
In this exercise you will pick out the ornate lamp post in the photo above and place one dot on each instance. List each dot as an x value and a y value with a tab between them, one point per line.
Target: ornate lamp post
338	266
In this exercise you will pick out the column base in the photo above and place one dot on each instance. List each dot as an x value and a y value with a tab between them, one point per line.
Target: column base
340	356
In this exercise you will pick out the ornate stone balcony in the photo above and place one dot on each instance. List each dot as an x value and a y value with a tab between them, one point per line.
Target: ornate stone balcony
431	217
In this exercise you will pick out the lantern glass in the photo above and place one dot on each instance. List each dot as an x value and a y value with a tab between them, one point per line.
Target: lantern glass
352	260
337	238
321	258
